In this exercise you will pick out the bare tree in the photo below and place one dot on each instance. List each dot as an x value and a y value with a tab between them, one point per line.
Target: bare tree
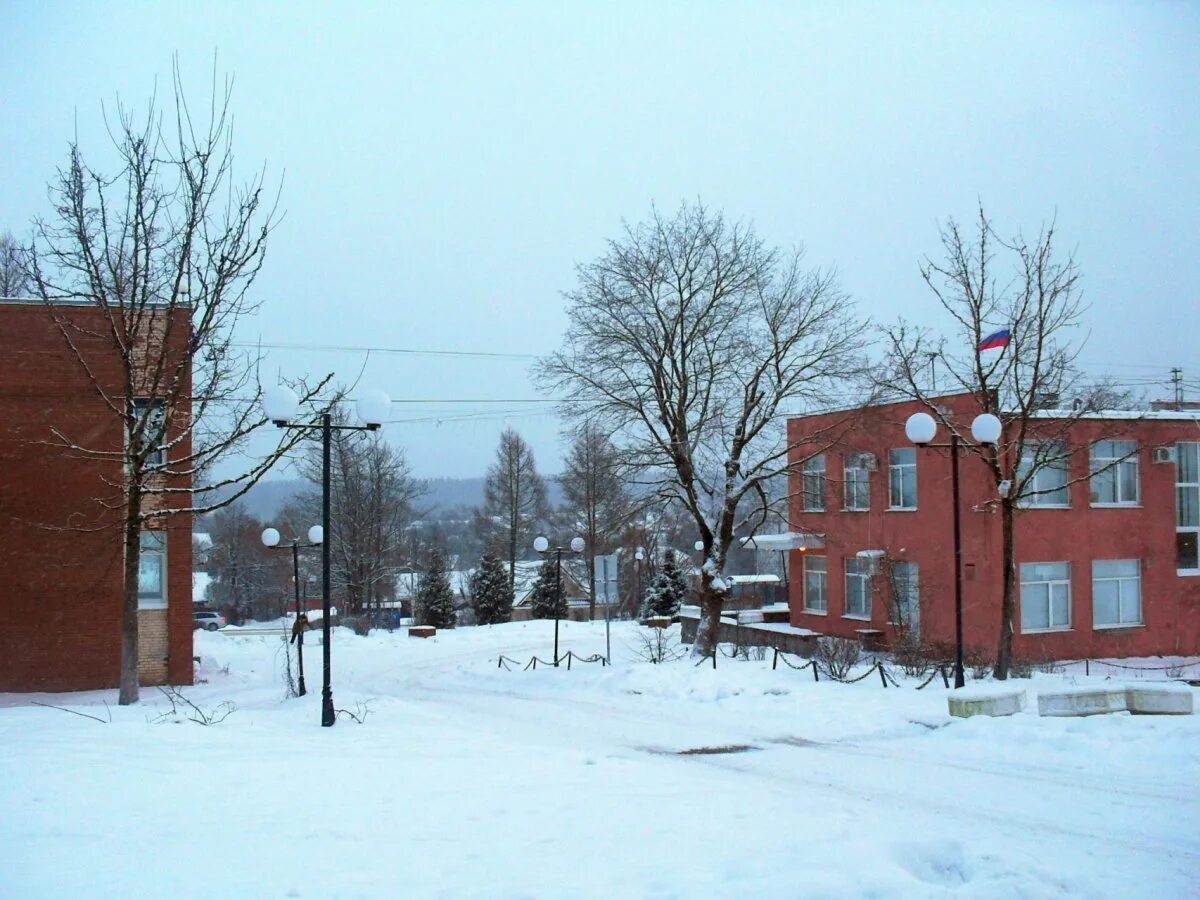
1032	291
14	282
249	581
594	497
146	274
514	498
689	342
372	492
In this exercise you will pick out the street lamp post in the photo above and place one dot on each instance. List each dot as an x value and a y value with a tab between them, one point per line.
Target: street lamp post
920	429
281	406
638	556
542	545
270	539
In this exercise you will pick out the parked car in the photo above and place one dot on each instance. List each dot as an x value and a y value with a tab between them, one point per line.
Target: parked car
210	621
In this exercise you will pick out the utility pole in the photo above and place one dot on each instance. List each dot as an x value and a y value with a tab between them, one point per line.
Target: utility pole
1177	382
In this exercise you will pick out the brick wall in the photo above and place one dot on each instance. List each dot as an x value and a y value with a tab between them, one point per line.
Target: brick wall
60	550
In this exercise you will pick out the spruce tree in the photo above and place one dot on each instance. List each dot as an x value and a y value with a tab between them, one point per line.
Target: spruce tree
667	590
491	591
435	598
545	597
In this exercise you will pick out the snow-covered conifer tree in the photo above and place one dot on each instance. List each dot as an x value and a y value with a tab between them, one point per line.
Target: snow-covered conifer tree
435	599
546	597
491	591
665	594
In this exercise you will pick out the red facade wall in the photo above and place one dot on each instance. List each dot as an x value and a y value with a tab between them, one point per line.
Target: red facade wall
60	551
1078	535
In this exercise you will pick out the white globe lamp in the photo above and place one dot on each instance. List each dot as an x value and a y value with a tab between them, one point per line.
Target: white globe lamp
280	403
986	429
920	428
270	537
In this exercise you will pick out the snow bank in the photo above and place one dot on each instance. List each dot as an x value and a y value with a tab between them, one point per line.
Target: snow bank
468	780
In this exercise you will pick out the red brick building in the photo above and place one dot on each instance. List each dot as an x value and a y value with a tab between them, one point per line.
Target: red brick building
1107	563
60	551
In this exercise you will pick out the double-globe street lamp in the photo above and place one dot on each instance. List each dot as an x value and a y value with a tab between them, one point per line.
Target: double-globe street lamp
921	430
281	406
542	545
270	539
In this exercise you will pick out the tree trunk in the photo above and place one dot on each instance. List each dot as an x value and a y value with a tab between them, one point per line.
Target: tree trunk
711	602
1008	603
129	603
591	564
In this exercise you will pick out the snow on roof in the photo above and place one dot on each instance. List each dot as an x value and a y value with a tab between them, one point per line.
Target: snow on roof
752	579
788	540
200	583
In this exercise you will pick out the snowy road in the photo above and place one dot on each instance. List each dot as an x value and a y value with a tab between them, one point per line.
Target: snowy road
471	781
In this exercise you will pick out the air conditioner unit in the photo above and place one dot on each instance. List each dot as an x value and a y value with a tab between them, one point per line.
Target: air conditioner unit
866	461
1163	455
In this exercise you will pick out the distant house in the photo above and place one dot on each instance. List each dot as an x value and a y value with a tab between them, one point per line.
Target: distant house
574	588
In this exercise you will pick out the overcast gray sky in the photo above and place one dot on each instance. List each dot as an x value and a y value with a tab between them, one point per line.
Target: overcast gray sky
445	166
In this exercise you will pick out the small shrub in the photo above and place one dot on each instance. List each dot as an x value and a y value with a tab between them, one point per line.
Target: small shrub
978	660
838	656
1020	668
910	655
657	645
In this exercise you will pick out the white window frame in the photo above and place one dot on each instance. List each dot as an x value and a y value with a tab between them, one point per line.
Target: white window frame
1036	499
822	575
1126	585
812	478
857	481
1112	463
158	456
1182	488
910	583
857	570
898	470
158	599
1050	584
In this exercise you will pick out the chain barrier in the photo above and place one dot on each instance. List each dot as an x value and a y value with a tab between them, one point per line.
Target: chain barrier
507	662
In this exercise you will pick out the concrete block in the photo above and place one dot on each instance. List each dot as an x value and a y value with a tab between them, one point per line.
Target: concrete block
422	631
1158	700
986	702
1083	701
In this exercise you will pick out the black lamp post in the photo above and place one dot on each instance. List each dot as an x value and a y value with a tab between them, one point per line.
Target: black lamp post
281	405
542	545
639	555
270	539
920	429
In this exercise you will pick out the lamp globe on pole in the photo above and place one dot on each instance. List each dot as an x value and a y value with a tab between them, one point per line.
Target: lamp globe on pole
541	544
920	428
270	537
280	404
986	429
316	535
373	408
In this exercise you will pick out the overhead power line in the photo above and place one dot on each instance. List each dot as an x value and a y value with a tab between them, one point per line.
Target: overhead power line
406	351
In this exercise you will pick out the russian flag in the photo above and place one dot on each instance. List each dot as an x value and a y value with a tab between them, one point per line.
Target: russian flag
996	339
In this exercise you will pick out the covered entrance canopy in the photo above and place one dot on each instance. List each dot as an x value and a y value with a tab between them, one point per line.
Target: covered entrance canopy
787	540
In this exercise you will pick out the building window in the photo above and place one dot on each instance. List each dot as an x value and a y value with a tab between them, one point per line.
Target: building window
152	570
858	589
814	483
1116	592
1045	596
906	595
858	484
815	580
1187	506
1047	486
1114	468
155	431
902	478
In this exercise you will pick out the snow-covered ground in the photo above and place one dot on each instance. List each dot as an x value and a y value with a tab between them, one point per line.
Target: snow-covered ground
467	780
